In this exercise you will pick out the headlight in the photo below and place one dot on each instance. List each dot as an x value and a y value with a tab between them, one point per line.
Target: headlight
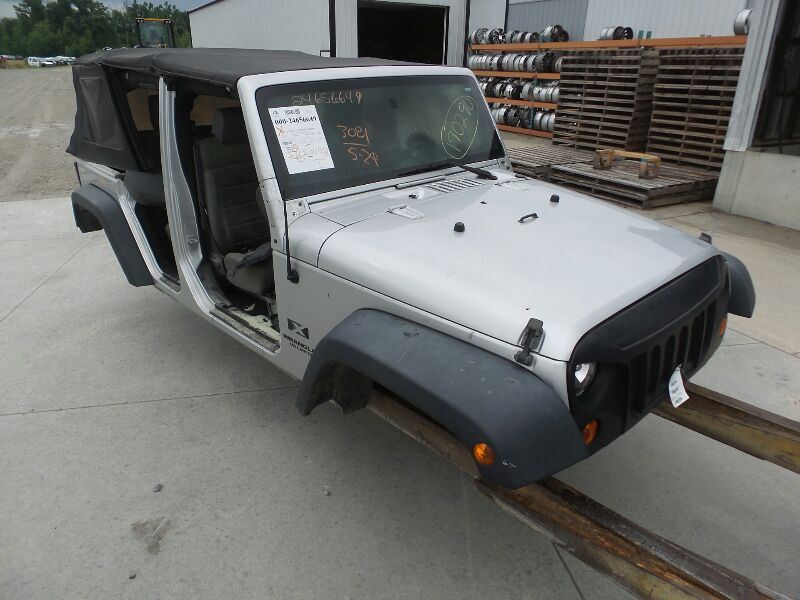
584	373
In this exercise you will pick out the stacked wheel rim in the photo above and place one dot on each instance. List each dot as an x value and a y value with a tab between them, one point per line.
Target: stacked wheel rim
493	37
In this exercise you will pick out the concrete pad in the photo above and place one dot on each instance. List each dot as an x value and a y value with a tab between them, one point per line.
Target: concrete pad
243	513
85	331
40	220
734	338
36	239
727	506
591	583
672	211
767	377
26	264
760	231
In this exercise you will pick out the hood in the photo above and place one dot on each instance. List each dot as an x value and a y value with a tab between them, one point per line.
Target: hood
578	262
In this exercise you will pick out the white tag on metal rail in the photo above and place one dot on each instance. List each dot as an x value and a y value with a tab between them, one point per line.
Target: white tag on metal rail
677	392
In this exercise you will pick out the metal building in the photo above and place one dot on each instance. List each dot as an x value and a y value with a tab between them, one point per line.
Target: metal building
585	19
677	18
432	31
760	175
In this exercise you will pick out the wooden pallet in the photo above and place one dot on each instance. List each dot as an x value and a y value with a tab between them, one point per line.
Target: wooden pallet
622	184
537	161
692	103
525	131
523	103
516	74
605	98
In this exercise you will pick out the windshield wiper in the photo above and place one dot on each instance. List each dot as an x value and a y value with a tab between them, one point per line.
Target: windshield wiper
482	173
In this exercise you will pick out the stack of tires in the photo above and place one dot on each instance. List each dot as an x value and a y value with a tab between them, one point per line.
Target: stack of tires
518	89
508	115
545	61
616	33
506	86
485	35
517	116
535	91
543	120
497	87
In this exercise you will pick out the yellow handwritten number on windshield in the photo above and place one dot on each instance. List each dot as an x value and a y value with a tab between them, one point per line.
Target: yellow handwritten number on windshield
460	127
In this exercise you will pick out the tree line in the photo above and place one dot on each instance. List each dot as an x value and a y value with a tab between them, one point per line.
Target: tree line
76	27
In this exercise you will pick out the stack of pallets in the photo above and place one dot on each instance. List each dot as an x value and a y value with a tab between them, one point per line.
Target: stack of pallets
606	98
674	185
538	160
692	102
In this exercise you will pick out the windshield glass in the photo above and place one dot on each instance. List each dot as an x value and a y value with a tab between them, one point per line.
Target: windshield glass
330	135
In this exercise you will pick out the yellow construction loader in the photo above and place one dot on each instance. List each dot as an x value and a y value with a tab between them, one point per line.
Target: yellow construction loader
155	33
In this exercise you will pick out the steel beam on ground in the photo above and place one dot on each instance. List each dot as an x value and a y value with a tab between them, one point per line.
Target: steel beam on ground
743	426
645	564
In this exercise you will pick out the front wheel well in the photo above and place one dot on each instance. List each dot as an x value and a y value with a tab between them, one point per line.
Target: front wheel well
342	384
478	396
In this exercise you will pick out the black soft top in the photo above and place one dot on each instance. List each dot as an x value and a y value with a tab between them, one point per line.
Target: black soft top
222	66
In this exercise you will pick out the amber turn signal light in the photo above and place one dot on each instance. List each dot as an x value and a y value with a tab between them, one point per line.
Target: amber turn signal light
589	431
722	326
483	453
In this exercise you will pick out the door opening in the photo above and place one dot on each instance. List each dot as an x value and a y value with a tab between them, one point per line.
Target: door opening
409	32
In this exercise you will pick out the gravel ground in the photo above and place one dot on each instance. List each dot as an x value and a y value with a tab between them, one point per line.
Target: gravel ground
37	110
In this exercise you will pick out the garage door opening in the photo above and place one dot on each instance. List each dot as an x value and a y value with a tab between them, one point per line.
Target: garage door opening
403	32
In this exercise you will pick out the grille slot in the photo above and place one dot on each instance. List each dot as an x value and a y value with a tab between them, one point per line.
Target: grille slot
686	345
454	185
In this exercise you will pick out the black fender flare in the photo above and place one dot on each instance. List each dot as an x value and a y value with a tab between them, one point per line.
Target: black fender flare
743	293
476	395
108	213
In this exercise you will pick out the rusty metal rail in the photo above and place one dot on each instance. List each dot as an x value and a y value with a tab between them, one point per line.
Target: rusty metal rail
745	427
643	563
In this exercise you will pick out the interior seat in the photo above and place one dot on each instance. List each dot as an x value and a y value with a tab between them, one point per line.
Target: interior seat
229	195
150	138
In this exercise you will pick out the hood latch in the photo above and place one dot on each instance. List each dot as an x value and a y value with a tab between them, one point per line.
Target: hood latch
531	336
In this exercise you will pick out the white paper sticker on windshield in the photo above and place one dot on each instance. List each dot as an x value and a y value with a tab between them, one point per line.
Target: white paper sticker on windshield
301	138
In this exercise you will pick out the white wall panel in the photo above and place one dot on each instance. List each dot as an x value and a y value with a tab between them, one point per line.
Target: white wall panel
304	25
486	13
675	18
347	27
535	16
269	24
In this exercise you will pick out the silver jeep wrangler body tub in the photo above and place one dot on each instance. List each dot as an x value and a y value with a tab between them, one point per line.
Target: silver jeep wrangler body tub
357	223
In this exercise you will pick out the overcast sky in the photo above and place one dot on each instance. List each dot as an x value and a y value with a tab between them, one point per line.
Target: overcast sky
7	6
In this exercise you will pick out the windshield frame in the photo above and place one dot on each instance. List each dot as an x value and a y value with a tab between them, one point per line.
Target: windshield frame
250	85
